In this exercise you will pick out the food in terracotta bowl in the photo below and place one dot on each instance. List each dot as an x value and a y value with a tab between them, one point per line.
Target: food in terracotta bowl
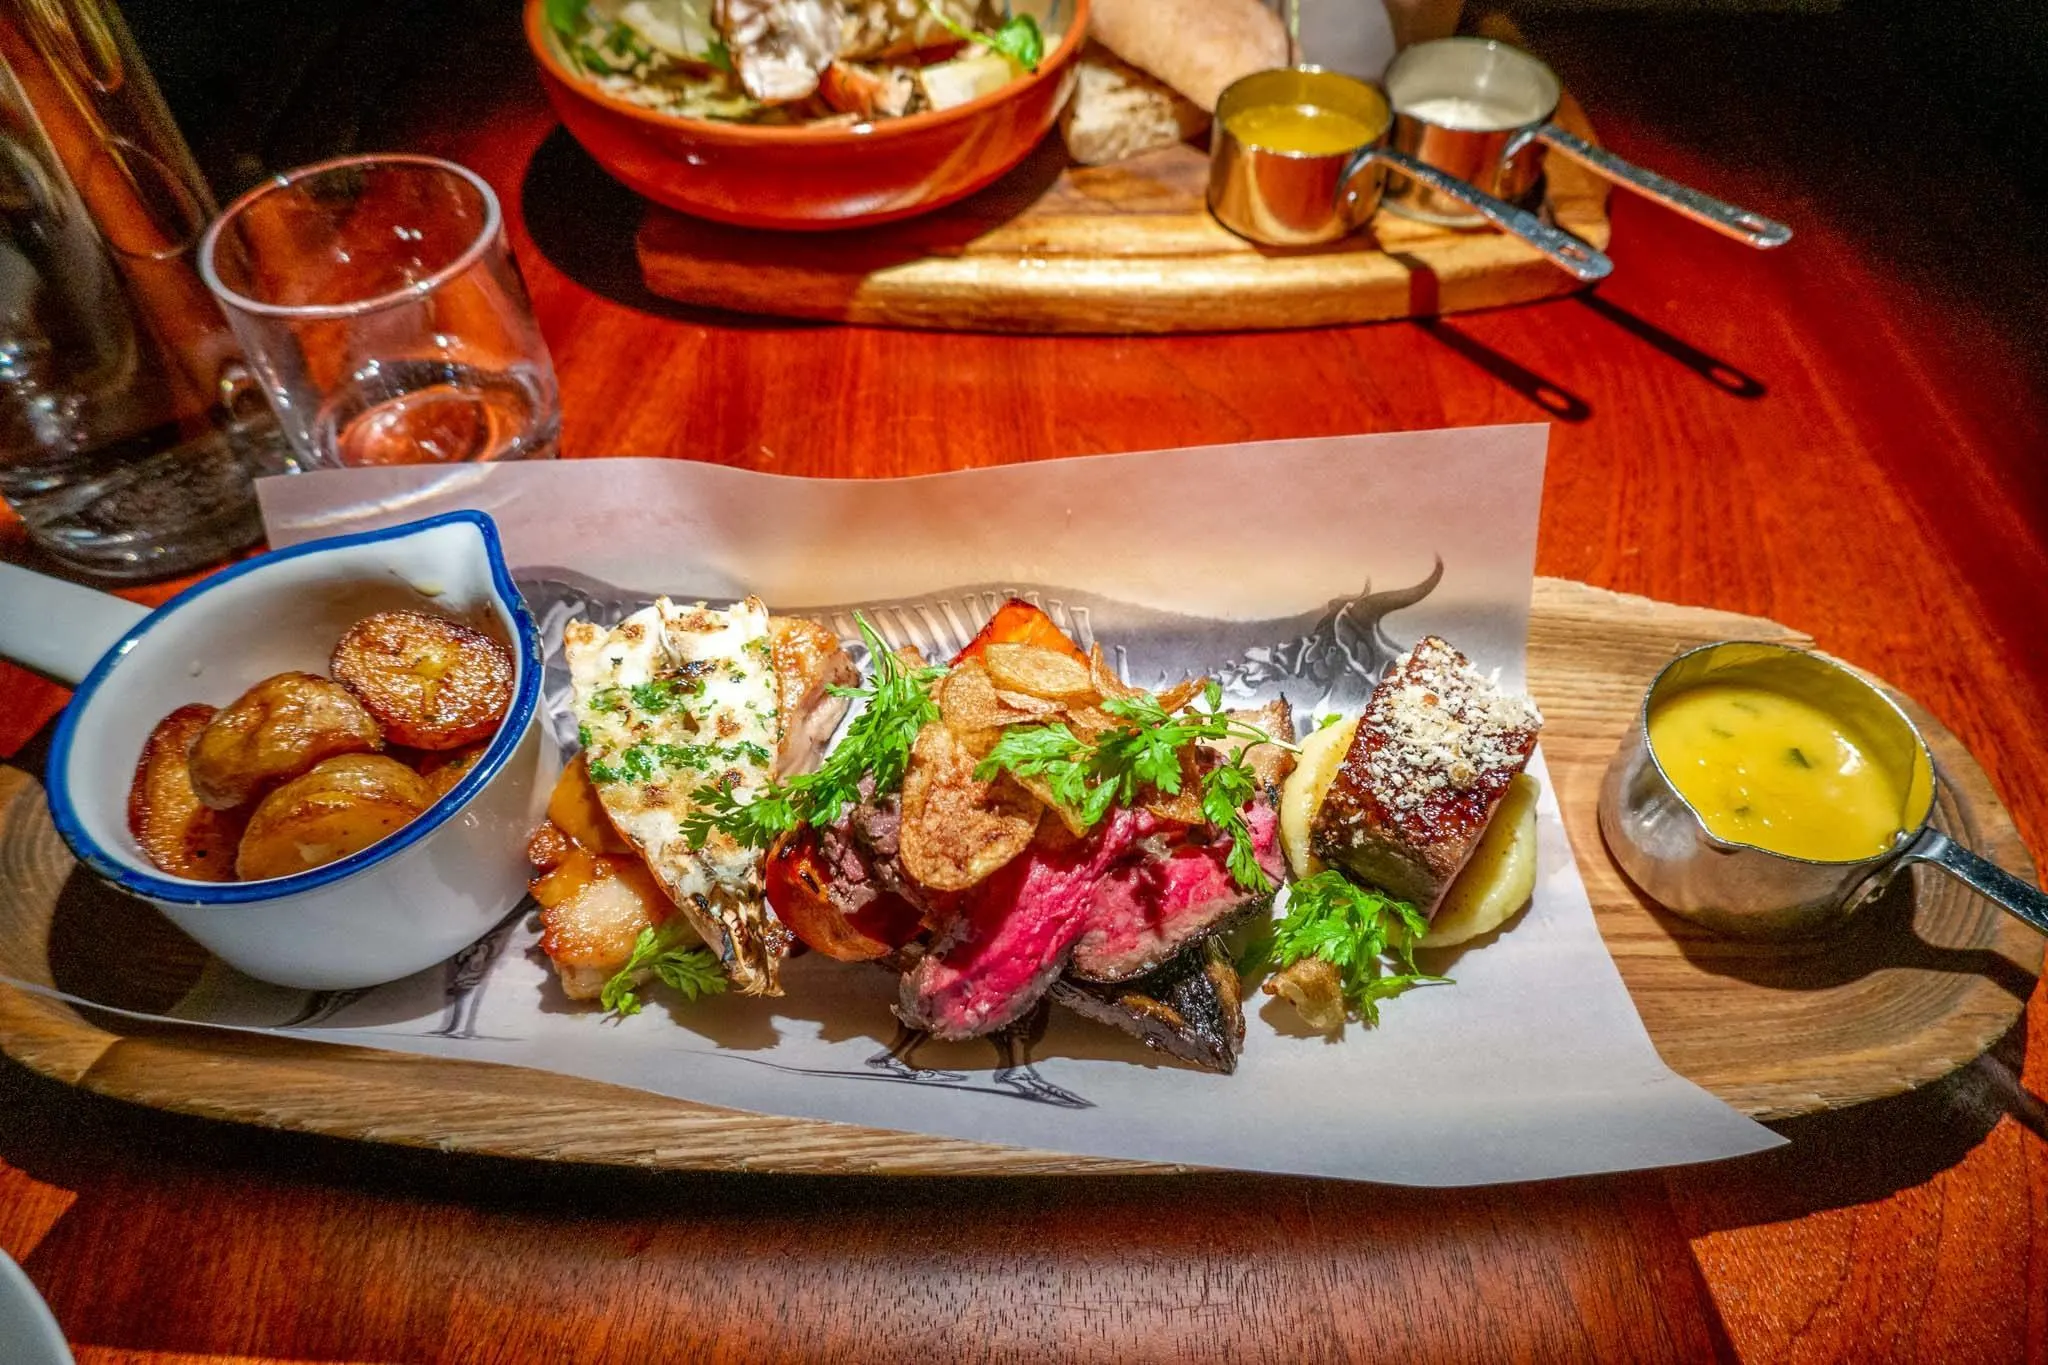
807	113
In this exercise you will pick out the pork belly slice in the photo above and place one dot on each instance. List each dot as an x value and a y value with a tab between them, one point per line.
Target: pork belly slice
1434	753
808	660
1190	1007
1148	909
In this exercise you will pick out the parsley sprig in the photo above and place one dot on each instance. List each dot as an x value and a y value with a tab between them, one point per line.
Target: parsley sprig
1355	930
877	743
690	972
1017	37
1092	779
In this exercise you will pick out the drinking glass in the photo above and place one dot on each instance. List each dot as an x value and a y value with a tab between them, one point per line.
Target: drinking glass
379	306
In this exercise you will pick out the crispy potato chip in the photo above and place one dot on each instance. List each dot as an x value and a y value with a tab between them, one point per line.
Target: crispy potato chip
956	831
1091	723
976	712
1185	806
1031	708
1178	696
1039	788
1107	683
1039	672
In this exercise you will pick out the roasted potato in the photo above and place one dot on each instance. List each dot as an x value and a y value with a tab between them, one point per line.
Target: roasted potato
451	768
592	909
547	848
1499	877
341	807
1322	753
274	732
957	830
431	683
180	835
574	809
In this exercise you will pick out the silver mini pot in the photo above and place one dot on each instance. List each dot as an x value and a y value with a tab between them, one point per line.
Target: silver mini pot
1665	848
1481	111
1293	199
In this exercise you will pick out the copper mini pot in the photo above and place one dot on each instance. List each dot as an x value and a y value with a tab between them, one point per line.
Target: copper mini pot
1481	111
1290	199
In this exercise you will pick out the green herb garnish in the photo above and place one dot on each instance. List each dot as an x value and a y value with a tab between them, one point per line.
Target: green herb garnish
877	744
1355	930
1091	779
1017	37
641	762
690	972
565	16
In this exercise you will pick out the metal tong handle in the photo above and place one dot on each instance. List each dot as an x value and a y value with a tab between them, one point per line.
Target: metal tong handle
1978	873
1739	223
1561	247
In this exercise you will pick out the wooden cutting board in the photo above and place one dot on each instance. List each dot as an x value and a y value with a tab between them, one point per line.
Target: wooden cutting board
1922	983
1126	248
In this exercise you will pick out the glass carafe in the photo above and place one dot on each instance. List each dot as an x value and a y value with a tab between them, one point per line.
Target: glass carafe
128	434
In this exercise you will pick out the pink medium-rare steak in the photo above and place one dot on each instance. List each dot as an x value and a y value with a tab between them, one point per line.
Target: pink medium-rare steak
1014	930
1148	909
1435	750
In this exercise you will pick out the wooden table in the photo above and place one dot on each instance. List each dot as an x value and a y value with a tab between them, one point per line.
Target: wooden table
1846	435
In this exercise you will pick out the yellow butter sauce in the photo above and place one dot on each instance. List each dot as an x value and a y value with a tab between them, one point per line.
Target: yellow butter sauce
1303	128
1771	770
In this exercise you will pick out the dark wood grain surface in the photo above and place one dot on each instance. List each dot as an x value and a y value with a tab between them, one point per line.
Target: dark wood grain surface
1846	435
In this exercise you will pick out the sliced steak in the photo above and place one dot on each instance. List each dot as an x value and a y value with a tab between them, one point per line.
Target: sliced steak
1149	909
1190	1007
1434	753
1013	932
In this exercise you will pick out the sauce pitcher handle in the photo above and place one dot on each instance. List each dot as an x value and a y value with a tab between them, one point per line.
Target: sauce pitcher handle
1739	223
1560	246
1980	874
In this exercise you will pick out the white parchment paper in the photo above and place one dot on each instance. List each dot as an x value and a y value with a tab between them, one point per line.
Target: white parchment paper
1293	569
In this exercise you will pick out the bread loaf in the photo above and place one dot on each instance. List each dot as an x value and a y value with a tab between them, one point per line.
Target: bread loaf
1118	111
1196	46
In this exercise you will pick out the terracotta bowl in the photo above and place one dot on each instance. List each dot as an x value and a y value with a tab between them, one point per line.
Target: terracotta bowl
810	178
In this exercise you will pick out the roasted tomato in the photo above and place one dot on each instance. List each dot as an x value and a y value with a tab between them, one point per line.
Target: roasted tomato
1017	622
800	894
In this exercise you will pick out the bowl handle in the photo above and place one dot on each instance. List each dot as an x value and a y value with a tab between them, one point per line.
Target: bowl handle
59	629
1980	874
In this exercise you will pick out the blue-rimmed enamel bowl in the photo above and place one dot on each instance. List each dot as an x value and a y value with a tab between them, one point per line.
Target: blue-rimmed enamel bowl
401	905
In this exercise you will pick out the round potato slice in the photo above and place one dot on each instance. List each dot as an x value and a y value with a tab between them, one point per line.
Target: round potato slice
1499	877
180	835
1322	753
275	731
341	807
451	768
431	683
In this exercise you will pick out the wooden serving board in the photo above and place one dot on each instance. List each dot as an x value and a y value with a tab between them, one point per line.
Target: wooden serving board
1126	248
1922	982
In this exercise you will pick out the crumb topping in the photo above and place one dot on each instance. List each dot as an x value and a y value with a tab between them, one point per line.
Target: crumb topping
1443	727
